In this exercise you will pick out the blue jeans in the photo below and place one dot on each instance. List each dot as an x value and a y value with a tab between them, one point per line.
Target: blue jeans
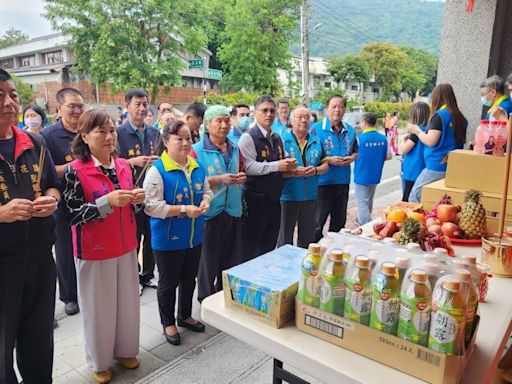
426	177
364	202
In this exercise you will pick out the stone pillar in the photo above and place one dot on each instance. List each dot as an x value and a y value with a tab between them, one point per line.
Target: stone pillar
473	47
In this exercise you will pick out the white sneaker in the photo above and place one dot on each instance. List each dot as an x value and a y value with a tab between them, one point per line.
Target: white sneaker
141	288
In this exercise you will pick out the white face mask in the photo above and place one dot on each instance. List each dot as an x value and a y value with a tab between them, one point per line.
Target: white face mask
33	122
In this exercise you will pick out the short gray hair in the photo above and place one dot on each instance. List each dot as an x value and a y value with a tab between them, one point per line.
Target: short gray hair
494	82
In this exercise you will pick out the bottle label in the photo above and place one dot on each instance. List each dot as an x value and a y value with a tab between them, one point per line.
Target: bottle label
358	302
446	328
332	295
385	309
414	320
309	284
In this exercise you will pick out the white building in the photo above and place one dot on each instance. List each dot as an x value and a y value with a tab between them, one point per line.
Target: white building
319	78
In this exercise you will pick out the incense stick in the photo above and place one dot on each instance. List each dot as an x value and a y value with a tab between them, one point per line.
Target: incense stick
42	156
148	163
504	195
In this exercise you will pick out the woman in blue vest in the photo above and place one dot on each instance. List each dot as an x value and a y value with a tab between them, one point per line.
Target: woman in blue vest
412	148
221	236
445	132
177	197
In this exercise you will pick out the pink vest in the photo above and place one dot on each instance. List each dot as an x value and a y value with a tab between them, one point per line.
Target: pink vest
116	234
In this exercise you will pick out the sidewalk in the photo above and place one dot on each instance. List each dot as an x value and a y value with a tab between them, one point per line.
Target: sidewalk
209	358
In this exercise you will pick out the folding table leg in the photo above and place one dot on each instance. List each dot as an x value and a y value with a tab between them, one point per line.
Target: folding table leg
279	374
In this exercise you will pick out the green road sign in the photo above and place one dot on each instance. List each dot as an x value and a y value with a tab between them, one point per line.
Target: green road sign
196	63
214	74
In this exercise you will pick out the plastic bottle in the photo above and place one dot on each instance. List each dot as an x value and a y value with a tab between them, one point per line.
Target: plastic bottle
309	283
490	137
429	258
471	295
415	308
413	248
440	251
447	322
501	138
385	300
332	292
432	271
358	298
402	265
472	265
480	137
374	256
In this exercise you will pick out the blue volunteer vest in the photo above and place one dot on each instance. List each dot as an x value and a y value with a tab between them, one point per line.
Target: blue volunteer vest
505	104
373	147
234	135
270	185
335	145
302	188
175	233
434	155
413	162
227	198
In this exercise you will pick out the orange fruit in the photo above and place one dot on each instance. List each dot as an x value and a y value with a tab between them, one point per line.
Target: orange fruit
396	215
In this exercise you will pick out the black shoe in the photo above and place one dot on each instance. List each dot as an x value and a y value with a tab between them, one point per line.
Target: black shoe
71	308
197	327
173	339
150	284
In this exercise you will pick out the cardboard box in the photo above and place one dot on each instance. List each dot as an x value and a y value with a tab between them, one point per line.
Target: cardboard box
413	359
432	193
470	170
265	287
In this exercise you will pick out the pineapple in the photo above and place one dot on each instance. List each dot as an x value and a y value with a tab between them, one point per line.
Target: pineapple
473	221
409	232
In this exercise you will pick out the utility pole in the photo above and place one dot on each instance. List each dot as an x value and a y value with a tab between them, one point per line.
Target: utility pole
304	34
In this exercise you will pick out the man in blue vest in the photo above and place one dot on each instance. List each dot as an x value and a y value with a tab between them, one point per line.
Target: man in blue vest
493	96
281	124
373	152
58	138
240	121
264	162
221	235
340	145
136	142
301	185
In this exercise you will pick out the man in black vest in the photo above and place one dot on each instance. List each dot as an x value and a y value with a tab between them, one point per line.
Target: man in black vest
264	160
137	142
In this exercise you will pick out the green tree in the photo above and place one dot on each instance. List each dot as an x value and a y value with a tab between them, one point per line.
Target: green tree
130	43
255	44
24	91
12	36
388	63
349	68
323	94
420	64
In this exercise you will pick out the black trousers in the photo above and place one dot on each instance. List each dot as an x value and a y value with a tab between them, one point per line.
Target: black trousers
332	200
66	272
27	305
148	257
260	226
176	269
221	250
302	215
408	184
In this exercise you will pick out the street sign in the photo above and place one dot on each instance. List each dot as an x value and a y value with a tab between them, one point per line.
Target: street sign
214	74
196	64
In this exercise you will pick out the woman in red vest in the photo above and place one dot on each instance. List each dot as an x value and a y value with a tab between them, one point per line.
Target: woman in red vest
100	202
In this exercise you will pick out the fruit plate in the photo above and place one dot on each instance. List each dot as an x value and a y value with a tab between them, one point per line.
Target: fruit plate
476	242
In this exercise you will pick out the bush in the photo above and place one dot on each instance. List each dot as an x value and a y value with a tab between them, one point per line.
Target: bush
381	108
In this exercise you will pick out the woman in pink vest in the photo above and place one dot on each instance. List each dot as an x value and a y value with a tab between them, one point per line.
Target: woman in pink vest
100	202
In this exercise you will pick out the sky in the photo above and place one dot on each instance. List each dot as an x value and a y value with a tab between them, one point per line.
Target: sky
24	15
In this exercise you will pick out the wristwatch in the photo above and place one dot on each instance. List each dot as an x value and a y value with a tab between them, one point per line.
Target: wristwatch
183	211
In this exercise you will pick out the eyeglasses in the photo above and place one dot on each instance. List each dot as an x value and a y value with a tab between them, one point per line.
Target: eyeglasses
267	110
75	107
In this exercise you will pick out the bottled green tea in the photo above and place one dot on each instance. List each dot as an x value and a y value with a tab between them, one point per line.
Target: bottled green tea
386	300
402	265
309	283
448	318
415	307
472	300
332	292
432	270
358	297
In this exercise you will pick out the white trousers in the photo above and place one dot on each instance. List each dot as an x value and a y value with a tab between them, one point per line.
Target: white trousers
108	294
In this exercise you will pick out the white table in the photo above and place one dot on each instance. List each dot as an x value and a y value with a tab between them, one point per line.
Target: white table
334	365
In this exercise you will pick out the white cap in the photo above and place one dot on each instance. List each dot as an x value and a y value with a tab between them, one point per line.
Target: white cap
402	262
413	247
441	251
431	268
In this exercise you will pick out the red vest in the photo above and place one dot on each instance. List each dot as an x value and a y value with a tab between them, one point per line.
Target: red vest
116	234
